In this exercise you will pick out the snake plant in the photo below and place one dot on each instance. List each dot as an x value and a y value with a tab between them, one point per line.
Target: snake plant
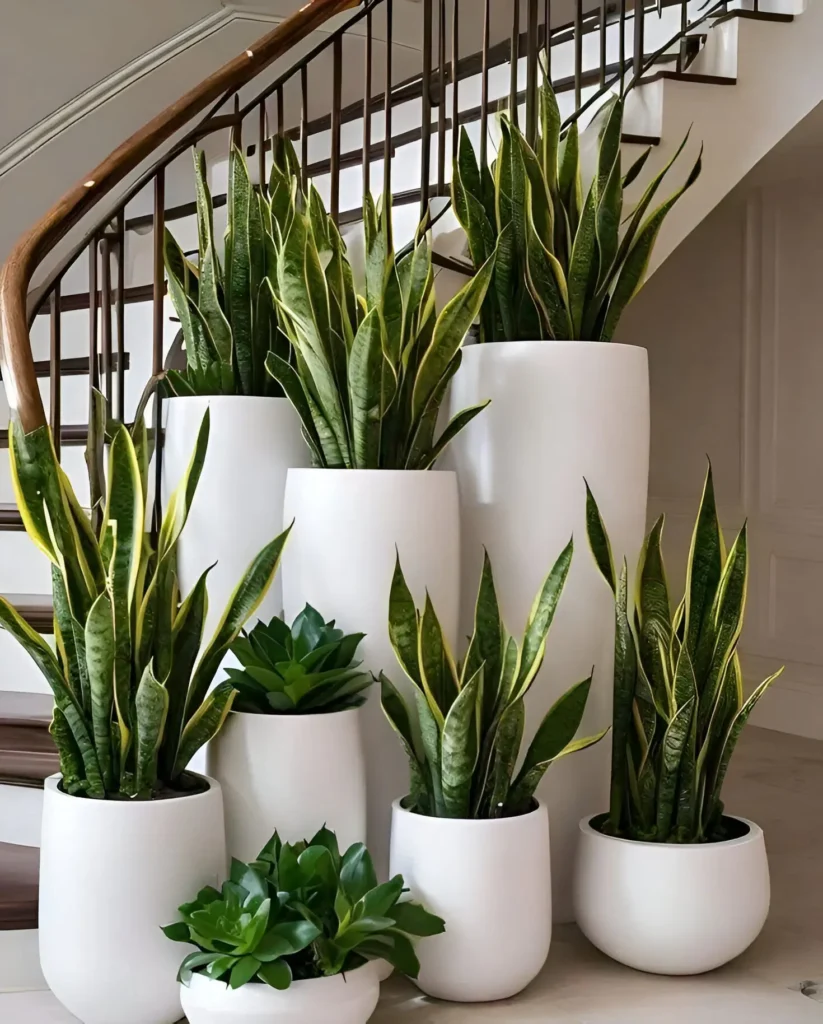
306	669
300	911
225	309
569	259
464	733
679	701
370	371
132	700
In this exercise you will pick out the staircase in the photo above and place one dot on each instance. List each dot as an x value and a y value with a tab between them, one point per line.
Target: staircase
99	316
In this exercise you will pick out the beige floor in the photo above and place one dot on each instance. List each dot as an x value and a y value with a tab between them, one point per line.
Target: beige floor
776	780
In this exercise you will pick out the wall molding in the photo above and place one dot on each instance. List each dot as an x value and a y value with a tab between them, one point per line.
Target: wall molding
60	120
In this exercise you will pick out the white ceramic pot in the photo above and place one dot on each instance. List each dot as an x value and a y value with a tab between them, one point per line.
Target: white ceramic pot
349	524
560	411
112	873
238	506
343	999
293	773
491	883
672	909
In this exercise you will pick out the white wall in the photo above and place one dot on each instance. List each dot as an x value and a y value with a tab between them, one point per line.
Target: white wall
733	328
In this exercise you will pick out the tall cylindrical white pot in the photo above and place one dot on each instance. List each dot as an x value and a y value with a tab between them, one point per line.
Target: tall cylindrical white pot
560	411
490	880
293	773
238	507
349	526
112	873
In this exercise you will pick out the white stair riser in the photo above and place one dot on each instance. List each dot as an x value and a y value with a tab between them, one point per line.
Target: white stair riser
20	963
21	808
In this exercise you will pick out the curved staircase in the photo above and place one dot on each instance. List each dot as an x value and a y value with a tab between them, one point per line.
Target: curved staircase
83	297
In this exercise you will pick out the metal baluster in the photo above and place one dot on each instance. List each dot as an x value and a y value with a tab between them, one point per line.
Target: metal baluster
94	369
261	147
367	107
304	128
484	99
426	119
441	99
684	27
120	316
639	37
105	320
603	54
157	335
281	116
55	359
548	22
388	107
531	73
514	56
336	123
622	53
455	78
578	54
237	130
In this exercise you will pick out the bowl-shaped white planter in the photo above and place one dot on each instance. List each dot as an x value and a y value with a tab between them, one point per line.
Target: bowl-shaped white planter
112	873
349	527
344	999
491	883
293	773
668	908
560	411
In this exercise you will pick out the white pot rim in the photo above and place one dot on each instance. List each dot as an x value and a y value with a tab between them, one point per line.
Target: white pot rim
261	399
511	821
755	834
290	716
550	344
376	473
52	784
328	981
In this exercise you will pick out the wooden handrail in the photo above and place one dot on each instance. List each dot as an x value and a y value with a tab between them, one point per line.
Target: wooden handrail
19	376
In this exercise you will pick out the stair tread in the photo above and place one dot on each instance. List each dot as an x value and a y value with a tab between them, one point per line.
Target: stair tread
36	609
19	879
28	755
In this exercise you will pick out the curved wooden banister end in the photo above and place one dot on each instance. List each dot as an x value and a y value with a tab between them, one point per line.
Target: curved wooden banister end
19	377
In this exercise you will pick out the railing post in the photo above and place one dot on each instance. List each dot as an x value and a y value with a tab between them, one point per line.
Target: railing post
547	17
531	73
304	128
441	98
367	91
105	320
94	369
336	108
578	54
622	50
455	78
639	37
120	316
261	147
484	99
157	336
603	51
514	58
55	376
387	146
426	116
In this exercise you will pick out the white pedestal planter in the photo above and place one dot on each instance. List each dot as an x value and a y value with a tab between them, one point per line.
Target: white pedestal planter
341	558
343	999
491	883
239	501
293	773
671	909
560	411
111	874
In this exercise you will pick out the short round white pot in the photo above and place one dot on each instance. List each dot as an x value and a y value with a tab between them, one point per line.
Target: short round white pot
111	874
350	526
238	507
560	411
344	999
491	883
293	773
668	908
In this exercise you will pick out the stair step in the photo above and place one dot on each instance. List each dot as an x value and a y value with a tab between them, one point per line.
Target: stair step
36	609
80	300
28	755
19	878
71	435
77	366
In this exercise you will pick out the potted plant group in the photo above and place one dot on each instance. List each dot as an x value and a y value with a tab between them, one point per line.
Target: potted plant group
369	380
471	839
293	935
224	304
125	826
291	750
565	398
666	881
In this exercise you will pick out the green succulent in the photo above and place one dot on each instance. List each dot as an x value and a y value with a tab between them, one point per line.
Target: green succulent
132	700
306	669
568	259
679	702
300	911
370	372
464	734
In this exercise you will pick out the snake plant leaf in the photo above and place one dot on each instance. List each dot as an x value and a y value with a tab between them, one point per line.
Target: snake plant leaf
397	715
652	599
179	504
568	183
151	705
38	650
204	724
29	456
582	279
504	760
125	506
633	270
609	212
450	329
431	741
209	269
703	572
636	168
487	640
625	677
610	139
200	349
403	625
69	645
71	763
413	274
365	388
598	539
460	747
685	683
549	136
540	620
674	744
99	654
537	199
547	285
438	673
457	423
688	799
287	377
243	245
422	444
